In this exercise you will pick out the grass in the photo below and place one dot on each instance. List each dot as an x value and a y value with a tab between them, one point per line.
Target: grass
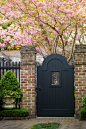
46	126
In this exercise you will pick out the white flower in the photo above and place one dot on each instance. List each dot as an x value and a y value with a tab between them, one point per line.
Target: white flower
0	28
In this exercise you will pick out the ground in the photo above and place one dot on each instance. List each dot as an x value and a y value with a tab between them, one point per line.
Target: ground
65	123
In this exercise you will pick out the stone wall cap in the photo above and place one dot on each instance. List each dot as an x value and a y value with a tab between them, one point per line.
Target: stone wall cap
80	48
28	49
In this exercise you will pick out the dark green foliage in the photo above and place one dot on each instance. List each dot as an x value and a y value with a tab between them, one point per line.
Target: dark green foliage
46	126
83	113
14	113
84	101
9	81
9	85
0	93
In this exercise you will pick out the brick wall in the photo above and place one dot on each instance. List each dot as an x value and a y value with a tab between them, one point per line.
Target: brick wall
80	76
28	78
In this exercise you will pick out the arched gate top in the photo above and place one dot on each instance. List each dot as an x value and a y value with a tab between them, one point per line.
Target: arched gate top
58	57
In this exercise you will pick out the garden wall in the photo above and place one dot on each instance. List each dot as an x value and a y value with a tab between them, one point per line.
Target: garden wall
28	79
80	76
28	60
27	56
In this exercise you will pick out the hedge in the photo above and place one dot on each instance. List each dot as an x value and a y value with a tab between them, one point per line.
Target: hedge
82	113
14	113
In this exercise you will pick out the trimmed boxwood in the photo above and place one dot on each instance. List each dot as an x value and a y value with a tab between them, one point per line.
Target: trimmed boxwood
14	113
82	113
84	102
9	85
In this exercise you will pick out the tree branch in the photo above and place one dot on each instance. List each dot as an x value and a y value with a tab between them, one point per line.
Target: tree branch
65	28
73	44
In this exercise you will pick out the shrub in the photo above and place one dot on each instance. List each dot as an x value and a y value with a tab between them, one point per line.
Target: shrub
14	113
46	126
84	101
9	81
0	92
83	113
9	85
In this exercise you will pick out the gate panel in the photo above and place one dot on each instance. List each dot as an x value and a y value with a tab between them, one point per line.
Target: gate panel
55	87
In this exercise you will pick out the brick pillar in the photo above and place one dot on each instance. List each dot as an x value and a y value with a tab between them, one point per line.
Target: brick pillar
28	78
80	76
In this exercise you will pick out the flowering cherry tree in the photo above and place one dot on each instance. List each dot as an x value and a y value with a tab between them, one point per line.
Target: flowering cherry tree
52	26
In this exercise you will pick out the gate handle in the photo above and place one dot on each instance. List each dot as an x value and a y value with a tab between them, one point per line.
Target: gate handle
39	88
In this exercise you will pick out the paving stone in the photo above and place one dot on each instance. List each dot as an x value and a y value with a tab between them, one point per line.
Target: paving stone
65	123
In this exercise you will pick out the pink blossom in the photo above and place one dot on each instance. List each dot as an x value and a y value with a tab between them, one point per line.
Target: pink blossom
69	15
8	47
2	45
28	16
60	50
66	10
54	32
37	48
77	43
5	8
2	49
78	37
12	45
61	22
3	32
38	3
56	28
34	0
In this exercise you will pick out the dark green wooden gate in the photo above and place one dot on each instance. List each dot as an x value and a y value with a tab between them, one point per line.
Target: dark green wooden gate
55	88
